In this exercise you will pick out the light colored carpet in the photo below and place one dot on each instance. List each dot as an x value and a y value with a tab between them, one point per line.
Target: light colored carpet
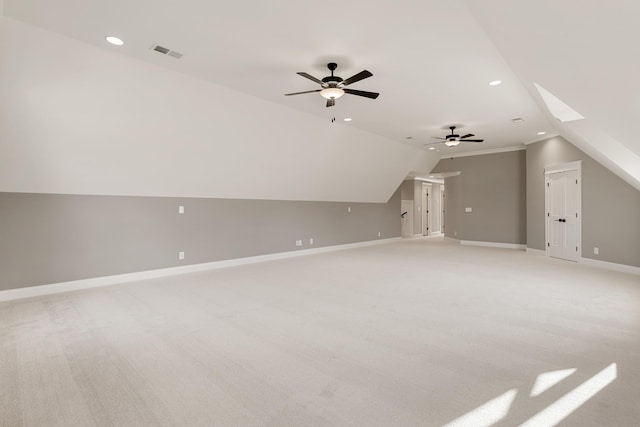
420	332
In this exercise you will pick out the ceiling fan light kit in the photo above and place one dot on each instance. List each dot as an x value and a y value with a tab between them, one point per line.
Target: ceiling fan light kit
453	140
333	87
331	93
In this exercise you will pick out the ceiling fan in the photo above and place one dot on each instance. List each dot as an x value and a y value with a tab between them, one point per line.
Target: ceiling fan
333	87
453	139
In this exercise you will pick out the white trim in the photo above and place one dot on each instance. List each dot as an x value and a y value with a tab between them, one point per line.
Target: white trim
536	251
443	175
493	244
34	291
563	167
431	180
622	268
482	152
542	138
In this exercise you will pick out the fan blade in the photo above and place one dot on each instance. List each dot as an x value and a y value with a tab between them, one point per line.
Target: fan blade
437	137
472	140
300	93
356	78
309	76
331	102
371	95
434	143
469	135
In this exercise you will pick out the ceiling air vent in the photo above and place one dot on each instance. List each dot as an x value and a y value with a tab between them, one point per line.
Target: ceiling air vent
165	51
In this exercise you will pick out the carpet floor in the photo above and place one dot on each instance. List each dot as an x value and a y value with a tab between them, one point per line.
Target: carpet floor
422	332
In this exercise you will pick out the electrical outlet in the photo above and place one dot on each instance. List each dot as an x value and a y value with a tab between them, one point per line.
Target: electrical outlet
180	209
298	242
379	234
180	255
596	251
349	209
468	210
311	241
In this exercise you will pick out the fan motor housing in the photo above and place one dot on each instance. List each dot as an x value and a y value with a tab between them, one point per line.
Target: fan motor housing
330	79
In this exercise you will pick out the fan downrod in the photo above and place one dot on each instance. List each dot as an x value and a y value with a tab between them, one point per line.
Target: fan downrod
332	80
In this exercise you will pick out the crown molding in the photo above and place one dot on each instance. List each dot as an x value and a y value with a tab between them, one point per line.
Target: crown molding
482	152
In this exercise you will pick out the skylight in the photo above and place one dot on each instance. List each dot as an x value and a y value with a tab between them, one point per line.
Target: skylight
559	109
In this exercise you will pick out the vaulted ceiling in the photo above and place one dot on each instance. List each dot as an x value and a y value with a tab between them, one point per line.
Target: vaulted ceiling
431	62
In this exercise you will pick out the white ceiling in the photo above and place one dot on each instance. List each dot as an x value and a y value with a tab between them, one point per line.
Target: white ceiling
431	60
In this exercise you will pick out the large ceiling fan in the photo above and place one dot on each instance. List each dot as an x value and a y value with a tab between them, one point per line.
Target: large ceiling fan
333	87
453	139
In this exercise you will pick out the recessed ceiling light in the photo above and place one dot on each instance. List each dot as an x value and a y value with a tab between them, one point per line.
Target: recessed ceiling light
430	176
495	82
347	119
432	148
114	40
542	133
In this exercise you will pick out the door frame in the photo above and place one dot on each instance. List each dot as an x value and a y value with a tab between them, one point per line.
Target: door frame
556	168
426	208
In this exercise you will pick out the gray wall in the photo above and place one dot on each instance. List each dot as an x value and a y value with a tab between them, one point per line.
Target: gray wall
610	206
48	238
452	207
407	190
494	186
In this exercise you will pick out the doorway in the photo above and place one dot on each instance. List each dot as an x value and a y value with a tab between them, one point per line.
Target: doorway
562	211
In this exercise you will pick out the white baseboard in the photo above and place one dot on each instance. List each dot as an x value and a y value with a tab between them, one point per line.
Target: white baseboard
623	268
34	291
493	244
536	252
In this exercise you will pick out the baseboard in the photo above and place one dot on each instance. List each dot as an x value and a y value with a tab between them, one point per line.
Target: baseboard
536	252
493	244
622	268
34	291
451	239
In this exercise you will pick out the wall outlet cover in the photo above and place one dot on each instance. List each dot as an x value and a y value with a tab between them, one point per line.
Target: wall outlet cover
180	209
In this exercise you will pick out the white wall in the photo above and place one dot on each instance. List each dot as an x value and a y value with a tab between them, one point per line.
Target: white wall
81	120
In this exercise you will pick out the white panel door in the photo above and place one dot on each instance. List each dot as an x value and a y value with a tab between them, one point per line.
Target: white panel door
562	215
406	218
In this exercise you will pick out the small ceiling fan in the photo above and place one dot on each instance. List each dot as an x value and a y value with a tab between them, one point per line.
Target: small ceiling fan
333	87
453	139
